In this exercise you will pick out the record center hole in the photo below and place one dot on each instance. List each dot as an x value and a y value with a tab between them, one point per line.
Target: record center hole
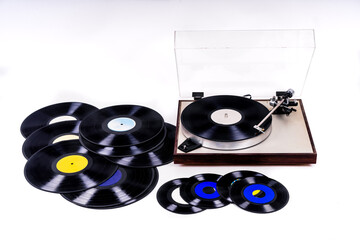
177	197
62	119
258	193
209	190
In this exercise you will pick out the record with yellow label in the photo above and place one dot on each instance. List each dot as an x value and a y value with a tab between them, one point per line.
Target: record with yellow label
67	167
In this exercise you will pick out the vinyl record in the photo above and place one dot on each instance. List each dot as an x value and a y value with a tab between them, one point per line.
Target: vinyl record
125	150
43	116
45	136
126	186
165	199
67	167
224	183
200	191
121	125
161	155
259	194
225	120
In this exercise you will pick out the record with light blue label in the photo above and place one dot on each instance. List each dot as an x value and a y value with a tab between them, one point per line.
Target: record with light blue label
121	125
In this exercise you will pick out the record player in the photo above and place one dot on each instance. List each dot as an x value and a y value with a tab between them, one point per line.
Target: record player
241	97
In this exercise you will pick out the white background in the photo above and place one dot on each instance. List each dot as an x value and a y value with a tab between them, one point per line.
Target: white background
121	52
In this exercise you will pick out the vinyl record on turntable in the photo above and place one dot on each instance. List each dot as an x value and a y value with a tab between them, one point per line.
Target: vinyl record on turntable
126	150
44	116
161	155
225	182
125	186
259	194
165	199
45	136
200	191
67	167
225	122
121	125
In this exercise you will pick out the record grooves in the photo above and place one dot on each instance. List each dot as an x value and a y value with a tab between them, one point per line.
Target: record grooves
43	116
126	186
45	136
67	167
165	199
274	195
122	125
200	191
225	182
125	150
225	122
161	155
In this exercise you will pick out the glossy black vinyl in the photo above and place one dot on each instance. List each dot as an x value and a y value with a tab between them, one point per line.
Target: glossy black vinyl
94	128
196	118
40	172
43	116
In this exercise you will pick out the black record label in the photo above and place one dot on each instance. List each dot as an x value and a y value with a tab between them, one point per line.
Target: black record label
125	186
259	194
224	118
67	167
122	125
161	155
201	191
44	116
165	199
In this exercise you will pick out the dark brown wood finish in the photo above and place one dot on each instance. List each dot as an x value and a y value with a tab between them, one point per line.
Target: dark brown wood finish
245	158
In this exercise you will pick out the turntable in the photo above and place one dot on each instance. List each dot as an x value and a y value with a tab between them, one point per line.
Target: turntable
252	112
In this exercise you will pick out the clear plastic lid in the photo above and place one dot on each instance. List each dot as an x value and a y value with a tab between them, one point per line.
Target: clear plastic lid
256	62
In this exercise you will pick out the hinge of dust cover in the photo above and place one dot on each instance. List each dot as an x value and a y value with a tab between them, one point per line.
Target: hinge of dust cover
197	95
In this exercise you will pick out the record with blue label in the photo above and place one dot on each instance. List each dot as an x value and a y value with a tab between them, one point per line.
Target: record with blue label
225	182
125	186
122	125
165	199
44	116
259	194
45	136
200	191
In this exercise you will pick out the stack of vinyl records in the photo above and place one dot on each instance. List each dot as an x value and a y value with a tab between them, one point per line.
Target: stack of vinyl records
104	159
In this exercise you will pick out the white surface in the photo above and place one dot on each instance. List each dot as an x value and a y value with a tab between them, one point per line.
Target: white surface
116	52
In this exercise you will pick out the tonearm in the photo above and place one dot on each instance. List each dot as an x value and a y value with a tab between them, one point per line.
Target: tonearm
281	105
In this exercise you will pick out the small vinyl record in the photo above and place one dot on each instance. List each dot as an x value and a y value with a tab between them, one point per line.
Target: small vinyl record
225	122
44	116
126	186
67	167
125	150
200	191
122	125
161	155
165	199
259	194
45	136
225	182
